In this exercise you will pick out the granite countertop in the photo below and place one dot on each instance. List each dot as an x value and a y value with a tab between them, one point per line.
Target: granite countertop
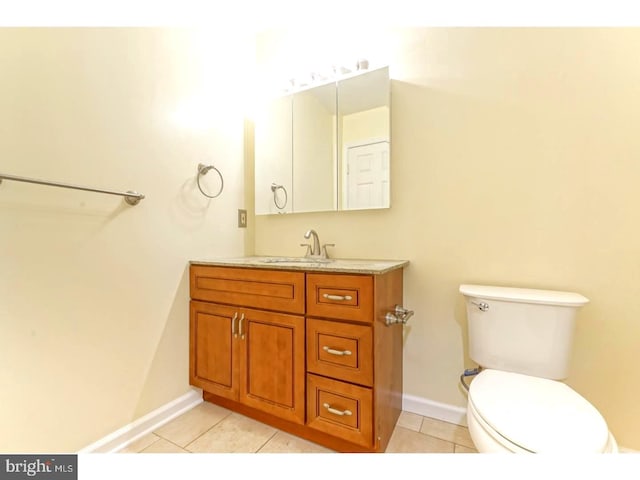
300	263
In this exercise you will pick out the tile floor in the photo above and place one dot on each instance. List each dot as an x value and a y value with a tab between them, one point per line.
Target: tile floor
209	428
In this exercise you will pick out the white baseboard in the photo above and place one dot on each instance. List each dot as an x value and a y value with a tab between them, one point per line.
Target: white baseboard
129	433
433	409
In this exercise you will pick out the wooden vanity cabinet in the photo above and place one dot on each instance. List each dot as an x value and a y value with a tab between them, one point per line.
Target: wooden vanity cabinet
326	368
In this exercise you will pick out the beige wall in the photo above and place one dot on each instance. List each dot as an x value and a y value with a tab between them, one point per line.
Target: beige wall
94	293
365	125
514	162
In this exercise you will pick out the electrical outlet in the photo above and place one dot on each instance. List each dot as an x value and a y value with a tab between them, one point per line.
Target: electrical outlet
242	218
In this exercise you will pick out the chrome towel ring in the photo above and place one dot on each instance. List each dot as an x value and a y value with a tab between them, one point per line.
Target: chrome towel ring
203	170
274	189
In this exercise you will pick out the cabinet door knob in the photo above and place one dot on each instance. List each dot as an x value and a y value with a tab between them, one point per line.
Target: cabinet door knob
339	298
340	413
336	352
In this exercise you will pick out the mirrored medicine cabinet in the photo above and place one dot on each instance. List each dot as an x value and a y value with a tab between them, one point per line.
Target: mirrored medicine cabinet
326	147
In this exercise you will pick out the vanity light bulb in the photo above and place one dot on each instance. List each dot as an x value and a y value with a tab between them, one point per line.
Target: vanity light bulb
340	70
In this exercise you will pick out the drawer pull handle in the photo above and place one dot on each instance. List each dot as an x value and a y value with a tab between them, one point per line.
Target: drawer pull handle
234	332
339	298
336	352
341	413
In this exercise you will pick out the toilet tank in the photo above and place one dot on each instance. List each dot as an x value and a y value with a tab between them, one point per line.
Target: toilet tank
521	330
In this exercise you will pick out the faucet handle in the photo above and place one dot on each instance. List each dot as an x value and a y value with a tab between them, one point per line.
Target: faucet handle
308	252
324	249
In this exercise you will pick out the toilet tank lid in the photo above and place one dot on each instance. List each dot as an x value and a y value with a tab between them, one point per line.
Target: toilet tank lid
524	295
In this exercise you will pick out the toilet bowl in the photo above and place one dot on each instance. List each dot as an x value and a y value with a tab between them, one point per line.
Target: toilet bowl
515	413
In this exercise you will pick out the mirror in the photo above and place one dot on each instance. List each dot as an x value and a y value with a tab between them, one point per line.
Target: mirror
314	149
273	155
364	131
326	147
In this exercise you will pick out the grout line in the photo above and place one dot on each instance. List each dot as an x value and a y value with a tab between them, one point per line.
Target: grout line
207	431
202	434
166	440
140	451
421	422
438	438
154	442
268	440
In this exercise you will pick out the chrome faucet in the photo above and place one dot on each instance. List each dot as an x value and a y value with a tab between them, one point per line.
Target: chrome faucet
315	249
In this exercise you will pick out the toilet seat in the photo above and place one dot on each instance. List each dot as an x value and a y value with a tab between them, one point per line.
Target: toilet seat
533	414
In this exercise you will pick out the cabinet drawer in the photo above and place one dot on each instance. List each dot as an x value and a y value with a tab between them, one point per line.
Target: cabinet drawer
345	297
340	350
266	289
340	409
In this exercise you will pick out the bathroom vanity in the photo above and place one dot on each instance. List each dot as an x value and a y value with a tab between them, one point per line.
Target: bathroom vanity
313	349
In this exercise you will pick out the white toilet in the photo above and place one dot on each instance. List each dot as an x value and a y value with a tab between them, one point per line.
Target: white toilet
522	340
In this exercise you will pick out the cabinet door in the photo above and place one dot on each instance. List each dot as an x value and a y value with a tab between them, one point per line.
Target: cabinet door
213	362
272	364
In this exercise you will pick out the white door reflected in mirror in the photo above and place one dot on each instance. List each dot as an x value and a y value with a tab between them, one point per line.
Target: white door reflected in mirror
367	176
